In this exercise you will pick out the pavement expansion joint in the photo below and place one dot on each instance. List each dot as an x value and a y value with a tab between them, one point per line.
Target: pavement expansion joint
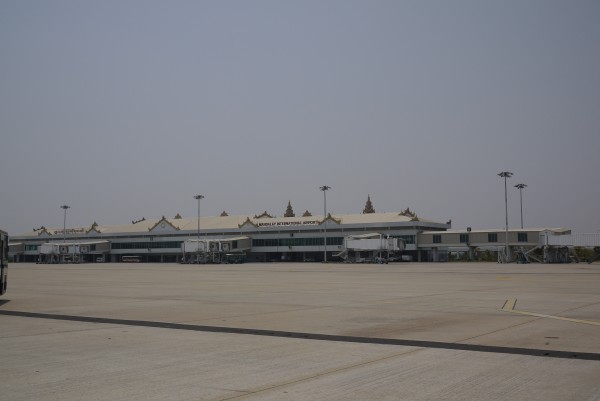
316	336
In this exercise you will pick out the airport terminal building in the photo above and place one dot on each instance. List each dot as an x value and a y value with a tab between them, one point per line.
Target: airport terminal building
265	238
261	238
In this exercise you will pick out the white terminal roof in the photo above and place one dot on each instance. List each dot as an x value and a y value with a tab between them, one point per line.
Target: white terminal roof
225	223
554	230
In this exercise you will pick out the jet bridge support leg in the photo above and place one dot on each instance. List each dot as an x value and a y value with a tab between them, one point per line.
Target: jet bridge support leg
531	255
596	255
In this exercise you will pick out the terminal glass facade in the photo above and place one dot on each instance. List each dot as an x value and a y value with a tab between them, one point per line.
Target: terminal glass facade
146	245
258	242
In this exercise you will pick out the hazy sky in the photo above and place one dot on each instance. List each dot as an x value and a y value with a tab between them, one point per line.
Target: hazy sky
123	109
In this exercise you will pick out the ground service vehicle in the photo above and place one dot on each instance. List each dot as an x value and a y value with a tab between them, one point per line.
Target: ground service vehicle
3	261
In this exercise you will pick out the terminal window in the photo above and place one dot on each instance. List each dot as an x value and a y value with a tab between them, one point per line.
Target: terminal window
464	238
437	239
522	237
492	237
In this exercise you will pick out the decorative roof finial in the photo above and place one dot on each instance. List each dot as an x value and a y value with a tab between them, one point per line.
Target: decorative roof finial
368	206
408	213
289	212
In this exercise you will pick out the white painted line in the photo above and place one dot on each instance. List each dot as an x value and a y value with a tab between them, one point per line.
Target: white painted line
509	306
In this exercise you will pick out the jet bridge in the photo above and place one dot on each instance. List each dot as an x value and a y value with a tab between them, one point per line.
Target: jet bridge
557	247
73	252
372	247
215	250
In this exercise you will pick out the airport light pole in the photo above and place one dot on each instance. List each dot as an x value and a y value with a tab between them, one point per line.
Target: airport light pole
520	187
198	198
325	188
65	207
506	175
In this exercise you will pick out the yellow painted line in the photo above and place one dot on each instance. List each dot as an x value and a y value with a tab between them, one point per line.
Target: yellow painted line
509	306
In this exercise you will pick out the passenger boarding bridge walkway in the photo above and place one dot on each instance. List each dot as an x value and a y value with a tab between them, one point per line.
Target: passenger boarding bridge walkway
557	247
541	245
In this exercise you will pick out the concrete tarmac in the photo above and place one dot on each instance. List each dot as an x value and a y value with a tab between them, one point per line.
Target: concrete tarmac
290	331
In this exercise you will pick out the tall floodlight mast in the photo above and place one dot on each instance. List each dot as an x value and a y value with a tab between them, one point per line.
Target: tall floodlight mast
506	175
65	207
198	198
520	187
325	188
